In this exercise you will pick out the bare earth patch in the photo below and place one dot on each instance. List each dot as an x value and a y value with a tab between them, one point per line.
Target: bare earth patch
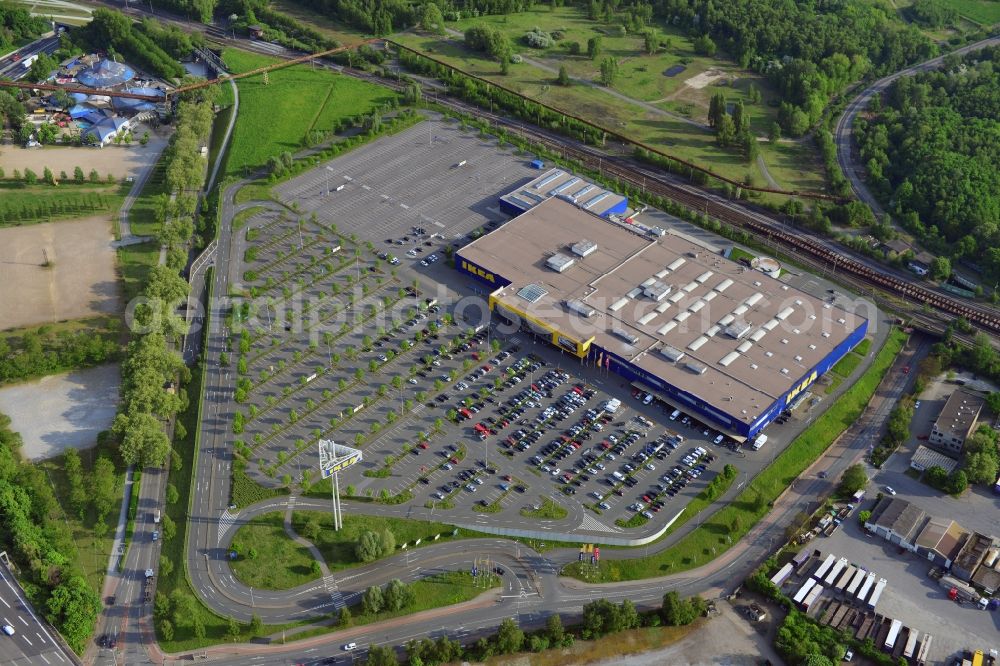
79	280
705	78
120	161
62	411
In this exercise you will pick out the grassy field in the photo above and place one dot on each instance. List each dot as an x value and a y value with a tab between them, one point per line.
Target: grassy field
142	216
984	12
547	509
31	204
725	528
642	77
845	366
275	117
134	263
268	558
109	326
338	547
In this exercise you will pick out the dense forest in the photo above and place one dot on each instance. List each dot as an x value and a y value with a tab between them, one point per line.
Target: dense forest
150	45
932	150
18	25
35	354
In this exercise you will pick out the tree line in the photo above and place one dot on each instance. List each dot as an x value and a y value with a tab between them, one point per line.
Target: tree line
931	150
36	354
41	544
600	618
150	394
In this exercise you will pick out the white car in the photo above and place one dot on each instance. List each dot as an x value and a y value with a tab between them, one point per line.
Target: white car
350	646
9	630
604	505
648	399
889	490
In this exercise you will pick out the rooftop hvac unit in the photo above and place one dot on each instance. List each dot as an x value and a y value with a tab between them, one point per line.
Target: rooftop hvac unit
737	329
671	353
580	308
559	262
657	291
696	368
626	336
584	248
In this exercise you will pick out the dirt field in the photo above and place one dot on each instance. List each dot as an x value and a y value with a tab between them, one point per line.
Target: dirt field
120	161
79	282
725	640
76	407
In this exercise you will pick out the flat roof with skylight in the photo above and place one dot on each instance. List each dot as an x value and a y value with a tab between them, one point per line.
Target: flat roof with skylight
734	337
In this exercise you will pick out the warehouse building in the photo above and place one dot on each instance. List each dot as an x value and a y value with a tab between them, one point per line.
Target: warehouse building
897	521
940	540
558	183
706	335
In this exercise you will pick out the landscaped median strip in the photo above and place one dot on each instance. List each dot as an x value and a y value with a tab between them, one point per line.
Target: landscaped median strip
730	523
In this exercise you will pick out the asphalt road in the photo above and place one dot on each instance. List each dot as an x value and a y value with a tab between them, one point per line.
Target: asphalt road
844	132
14	69
534	591
31	643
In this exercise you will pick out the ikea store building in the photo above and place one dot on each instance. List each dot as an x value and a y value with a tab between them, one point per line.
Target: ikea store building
707	335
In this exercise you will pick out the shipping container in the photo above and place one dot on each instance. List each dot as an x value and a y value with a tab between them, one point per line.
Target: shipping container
825	567
804	590
782	575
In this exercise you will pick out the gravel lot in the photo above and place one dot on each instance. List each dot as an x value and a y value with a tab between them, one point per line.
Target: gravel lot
76	406
80	282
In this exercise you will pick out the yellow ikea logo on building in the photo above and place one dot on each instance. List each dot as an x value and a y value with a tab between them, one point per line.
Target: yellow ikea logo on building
476	270
801	387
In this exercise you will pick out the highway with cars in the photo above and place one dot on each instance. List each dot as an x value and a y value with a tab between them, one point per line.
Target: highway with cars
26	639
12	65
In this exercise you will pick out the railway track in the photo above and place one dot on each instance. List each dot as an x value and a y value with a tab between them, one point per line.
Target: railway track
763	227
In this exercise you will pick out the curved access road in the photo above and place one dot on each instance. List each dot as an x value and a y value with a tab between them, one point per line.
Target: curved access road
532	589
844	131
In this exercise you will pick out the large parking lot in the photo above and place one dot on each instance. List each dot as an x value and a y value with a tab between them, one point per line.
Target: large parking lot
360	332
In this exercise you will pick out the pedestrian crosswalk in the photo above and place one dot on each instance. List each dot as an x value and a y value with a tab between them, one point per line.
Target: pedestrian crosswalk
330	583
226	522
592	524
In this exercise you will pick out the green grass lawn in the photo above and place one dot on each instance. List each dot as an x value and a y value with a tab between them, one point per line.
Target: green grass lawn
846	366
984	12
254	191
31	204
142	216
863	347
338	546
730	523
548	510
275	117
134	263
268	558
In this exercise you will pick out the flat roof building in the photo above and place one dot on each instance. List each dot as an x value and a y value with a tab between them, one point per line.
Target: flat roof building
705	334
940	540
975	550
897	521
924	458
564	185
956	421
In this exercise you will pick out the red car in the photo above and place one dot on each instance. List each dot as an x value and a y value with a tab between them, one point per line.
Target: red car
423	445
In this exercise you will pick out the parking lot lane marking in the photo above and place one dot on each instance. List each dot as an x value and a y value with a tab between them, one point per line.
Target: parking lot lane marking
403	205
44	659
22	620
5	602
39	637
28	640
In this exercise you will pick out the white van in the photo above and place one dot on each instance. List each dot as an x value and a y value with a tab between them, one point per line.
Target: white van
674	414
612	405
618	476
759	442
